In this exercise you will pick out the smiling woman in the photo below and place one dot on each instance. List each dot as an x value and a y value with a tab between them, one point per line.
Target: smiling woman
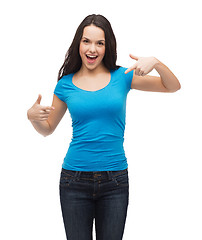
94	177
92	47
104	39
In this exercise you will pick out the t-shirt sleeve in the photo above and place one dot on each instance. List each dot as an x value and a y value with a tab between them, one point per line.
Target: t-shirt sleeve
59	90
128	79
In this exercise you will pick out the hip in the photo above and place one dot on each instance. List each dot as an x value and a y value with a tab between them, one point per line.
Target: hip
95	183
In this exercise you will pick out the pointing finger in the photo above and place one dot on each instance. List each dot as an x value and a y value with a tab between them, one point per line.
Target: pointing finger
133	56
130	69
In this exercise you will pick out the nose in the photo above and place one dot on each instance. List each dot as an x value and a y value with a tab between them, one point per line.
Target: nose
92	48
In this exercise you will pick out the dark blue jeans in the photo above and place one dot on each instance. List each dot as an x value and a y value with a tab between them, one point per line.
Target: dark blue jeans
86	196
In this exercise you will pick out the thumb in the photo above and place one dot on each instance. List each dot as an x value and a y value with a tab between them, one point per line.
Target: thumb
38	99
133	57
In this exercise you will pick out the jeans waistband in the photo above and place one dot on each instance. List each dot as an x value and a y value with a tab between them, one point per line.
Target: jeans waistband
94	175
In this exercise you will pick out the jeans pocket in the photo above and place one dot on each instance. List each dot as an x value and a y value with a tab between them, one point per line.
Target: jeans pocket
122	179
65	179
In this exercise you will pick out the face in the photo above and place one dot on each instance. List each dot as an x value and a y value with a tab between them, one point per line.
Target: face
92	47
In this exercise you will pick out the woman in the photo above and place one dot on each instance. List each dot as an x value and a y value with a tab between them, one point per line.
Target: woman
94	177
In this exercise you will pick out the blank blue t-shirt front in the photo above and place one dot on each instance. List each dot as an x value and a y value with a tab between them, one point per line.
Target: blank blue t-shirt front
98	122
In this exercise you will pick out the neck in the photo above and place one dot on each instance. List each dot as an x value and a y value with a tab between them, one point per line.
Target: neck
85	71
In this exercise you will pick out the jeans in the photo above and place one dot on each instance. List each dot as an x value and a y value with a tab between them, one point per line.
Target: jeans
85	196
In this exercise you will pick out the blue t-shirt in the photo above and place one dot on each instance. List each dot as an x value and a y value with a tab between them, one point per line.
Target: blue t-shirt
98	122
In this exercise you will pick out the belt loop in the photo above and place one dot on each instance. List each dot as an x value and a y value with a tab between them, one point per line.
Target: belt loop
77	175
109	173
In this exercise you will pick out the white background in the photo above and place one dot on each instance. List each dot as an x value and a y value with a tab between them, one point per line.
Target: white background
163	130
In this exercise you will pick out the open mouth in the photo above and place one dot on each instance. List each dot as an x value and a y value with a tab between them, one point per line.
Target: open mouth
91	57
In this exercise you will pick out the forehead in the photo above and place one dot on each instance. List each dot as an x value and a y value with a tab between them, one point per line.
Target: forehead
94	33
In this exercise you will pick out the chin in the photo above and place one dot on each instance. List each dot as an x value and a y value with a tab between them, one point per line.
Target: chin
92	67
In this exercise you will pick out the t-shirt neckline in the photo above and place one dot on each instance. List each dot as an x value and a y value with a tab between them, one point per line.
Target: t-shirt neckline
83	90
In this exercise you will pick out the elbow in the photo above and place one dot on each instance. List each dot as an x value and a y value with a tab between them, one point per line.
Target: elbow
174	89
178	87
47	133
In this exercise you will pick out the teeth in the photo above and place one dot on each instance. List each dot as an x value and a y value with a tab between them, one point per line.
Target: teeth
91	56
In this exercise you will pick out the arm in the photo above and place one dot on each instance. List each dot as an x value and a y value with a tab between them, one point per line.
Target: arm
46	119
168	79
167	82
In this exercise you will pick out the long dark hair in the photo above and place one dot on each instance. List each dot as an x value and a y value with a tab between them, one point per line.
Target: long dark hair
73	60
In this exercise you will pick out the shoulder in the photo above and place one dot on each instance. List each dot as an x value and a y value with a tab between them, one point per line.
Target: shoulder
120	72
63	87
125	79
64	83
119	69
65	80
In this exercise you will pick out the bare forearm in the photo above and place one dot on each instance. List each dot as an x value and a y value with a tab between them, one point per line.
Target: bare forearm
169	80
42	127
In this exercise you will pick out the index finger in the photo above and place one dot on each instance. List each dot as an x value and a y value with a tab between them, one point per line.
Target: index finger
47	109
130	69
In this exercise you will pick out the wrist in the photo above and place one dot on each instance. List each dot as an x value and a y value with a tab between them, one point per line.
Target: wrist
156	62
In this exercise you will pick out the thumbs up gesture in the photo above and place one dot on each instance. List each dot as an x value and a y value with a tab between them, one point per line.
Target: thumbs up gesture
38	112
143	66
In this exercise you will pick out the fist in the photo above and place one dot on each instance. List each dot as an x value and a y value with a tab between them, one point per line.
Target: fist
38	112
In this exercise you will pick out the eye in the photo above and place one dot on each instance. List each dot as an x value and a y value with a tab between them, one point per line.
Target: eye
85	41
100	43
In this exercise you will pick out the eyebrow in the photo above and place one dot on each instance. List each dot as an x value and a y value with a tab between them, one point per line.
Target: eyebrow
101	40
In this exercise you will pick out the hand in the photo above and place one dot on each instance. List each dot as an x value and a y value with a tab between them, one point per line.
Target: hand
38	112
143	66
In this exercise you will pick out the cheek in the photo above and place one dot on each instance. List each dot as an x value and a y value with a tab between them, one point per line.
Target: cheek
82	49
102	52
